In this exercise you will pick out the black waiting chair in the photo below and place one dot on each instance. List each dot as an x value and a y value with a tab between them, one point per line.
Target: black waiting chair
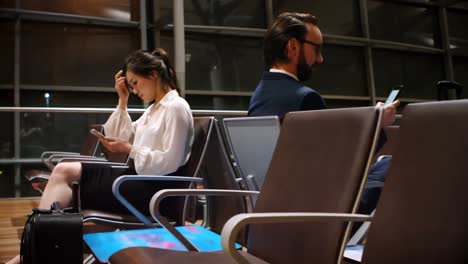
421	216
189	173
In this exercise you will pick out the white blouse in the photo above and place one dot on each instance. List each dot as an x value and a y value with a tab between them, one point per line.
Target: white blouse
162	137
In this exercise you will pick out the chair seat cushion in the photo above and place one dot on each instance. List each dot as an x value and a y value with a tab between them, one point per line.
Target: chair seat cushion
154	255
103	245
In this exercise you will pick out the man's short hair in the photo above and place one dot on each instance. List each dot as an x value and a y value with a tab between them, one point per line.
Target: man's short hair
284	27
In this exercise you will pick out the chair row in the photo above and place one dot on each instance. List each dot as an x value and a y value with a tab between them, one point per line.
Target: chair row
89	152
208	136
299	152
314	183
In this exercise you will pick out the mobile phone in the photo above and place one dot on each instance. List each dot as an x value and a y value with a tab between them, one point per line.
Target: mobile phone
97	133
394	94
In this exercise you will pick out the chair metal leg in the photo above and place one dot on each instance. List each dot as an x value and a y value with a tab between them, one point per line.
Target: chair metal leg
360	234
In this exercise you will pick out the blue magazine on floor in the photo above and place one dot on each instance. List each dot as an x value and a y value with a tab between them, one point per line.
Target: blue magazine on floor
354	253
103	245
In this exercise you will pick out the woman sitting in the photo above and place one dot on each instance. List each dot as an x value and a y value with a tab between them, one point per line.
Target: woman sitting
158	143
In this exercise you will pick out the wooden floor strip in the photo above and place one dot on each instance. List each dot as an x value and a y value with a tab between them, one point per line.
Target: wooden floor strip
13	213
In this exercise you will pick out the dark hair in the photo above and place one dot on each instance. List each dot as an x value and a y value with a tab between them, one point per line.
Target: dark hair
143	62
284	27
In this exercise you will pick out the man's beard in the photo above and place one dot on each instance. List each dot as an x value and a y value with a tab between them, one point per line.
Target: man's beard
304	70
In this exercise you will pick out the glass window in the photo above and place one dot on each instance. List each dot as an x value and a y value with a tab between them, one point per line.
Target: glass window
207	102
7	51
231	13
335	16
220	63
459	4
457	29
41	132
416	1
7	181
419	73
460	66
74	99
6	97
115	9
342	72
52	131
6	136
402	23
61	54
7	4
25	188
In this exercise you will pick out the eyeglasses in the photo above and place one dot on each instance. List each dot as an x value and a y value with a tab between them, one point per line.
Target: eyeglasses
318	47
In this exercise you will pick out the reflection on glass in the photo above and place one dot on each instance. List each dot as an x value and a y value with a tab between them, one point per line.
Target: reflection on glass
41	132
229	13
26	189
6	51
460	66
335	16
457	29
6	97
221	63
401	23
419	73
7	181
342	72
459	4
114	9
6	136
75	55
75	99
204	102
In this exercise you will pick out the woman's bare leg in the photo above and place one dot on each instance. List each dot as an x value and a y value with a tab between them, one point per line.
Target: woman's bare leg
15	260
59	186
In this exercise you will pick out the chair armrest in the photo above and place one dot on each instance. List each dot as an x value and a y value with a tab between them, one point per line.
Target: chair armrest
45	155
374	184
238	222
79	158
82	158
39	176
124	178
99	163
59	158
381	157
160	195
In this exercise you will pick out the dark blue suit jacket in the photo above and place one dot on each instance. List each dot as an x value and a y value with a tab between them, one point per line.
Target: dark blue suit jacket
278	93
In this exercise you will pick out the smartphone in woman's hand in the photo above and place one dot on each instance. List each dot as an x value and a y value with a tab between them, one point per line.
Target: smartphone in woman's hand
97	133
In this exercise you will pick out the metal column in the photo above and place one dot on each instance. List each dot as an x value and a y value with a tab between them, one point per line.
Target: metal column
446	44
179	43
143	25
269	12
16	92
368	51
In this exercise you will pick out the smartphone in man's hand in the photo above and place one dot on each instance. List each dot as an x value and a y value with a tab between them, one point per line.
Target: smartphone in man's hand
394	94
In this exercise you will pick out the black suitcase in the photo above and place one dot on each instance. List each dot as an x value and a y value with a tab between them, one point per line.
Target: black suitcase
53	236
